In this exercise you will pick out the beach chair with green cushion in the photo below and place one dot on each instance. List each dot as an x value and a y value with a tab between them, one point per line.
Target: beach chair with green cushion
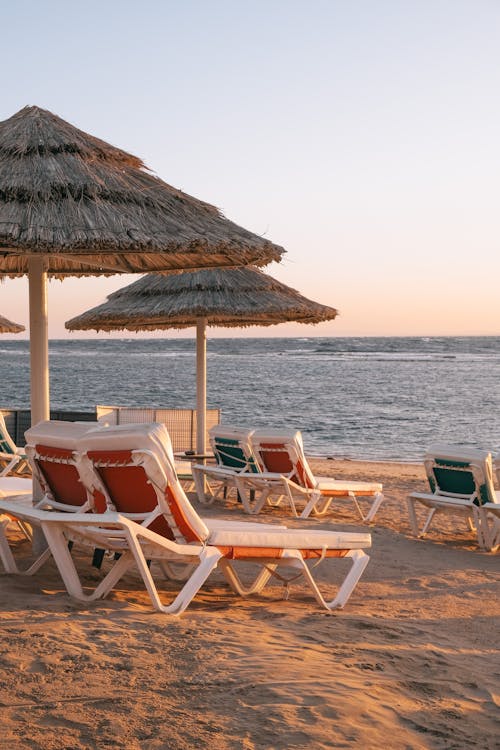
460	480
233	453
13	460
286	477
149	522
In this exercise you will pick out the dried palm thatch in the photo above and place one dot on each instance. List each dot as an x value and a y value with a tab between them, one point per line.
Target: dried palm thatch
91	208
224	297
6	326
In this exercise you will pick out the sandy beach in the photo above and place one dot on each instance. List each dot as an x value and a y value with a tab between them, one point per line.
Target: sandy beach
411	662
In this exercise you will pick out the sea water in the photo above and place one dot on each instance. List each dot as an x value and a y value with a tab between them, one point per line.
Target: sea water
373	398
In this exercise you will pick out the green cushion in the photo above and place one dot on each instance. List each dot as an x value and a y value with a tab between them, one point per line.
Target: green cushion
5	447
457	482
229	454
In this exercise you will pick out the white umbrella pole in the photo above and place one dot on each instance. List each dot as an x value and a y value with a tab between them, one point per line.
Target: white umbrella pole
201	384
39	364
39	342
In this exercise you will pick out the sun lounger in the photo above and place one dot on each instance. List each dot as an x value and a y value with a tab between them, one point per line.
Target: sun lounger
285	476
149	518
12	459
50	451
461	482
233	454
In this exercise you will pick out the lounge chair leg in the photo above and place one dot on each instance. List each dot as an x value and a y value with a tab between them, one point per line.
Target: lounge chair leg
488	530
201	484
321	510
360	561
208	557
123	564
410	502
412	516
315	496
58	545
236	583
471	524
251	504
7	557
426	525
377	502
481	530
291	501
170	571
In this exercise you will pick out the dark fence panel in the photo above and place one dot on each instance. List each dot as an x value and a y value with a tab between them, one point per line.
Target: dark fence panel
19	420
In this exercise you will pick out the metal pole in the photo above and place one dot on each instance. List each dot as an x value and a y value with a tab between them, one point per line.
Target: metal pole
39	342
201	384
39	363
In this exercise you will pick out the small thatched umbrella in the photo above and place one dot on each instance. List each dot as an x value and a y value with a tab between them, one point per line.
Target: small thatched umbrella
237	297
73	205
6	326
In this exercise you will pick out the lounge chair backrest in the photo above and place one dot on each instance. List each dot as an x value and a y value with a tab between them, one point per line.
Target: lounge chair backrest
282	452
460	472
496	469
51	452
132	466
7	445
232	448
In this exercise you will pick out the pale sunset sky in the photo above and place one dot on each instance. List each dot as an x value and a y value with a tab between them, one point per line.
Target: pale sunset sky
362	135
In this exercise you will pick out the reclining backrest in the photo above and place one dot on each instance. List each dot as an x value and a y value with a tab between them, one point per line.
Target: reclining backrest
282	452
7	445
133	467
496	468
461	472
51	449
232	448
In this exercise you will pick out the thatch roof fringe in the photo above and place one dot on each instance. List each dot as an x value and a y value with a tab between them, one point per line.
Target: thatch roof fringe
234	297
7	326
64	191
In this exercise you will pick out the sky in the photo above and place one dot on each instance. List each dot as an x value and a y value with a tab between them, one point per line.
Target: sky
362	136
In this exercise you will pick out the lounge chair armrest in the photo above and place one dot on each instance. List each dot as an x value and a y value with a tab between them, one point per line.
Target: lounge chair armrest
212	469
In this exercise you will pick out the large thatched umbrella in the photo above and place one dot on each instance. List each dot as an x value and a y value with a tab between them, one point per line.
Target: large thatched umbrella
6	326
230	297
72	205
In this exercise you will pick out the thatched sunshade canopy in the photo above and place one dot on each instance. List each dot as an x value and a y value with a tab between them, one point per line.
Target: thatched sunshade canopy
89	207
227	297
6	326
230	297
73	205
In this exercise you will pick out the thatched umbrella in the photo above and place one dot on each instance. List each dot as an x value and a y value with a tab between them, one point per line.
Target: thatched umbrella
73	205
231	297
6	326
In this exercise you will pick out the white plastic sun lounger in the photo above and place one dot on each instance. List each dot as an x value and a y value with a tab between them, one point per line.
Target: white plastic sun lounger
233	453
461	483
12	458
50	451
285	476
149	518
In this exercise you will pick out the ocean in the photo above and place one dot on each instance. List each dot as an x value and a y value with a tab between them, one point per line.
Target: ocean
371	398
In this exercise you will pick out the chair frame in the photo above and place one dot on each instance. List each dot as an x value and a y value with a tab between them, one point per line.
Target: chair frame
467	505
37	455
13	458
317	493
192	547
221	473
